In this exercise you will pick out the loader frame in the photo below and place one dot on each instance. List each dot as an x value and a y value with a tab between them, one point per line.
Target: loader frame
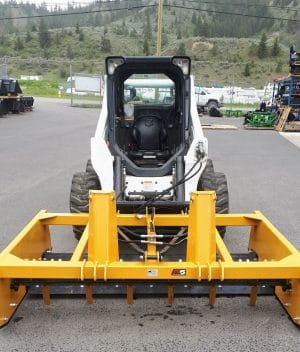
96	261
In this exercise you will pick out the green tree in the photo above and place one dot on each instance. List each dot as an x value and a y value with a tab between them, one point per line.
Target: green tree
247	71
194	18
77	30
44	35
262	50
28	37
105	45
275	48
147	30
57	38
19	44
146	48
81	36
214	51
181	49
278	68
70	54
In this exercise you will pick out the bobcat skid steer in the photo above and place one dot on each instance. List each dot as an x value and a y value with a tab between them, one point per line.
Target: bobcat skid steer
142	224
149	145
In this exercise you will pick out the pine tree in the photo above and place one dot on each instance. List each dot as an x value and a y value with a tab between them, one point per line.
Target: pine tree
147	30
278	68
194	18
44	35
181	49
105	45
179	35
81	36
247	72
275	48
262	50
69	52
146	48
28	37
19	44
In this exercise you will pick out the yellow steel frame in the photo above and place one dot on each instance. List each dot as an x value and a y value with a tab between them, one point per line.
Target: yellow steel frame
22	259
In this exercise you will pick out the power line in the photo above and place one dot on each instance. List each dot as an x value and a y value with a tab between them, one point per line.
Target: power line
233	13
137	7
246	4
77	13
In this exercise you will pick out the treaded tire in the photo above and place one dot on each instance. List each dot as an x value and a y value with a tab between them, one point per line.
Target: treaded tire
212	104
215	181
222	202
207	181
82	183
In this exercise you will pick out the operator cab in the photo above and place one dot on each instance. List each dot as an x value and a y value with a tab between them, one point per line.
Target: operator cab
147	112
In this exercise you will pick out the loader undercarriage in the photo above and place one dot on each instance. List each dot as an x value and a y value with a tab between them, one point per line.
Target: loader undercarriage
96	266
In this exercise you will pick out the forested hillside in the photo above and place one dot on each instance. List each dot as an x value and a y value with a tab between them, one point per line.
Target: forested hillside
247	47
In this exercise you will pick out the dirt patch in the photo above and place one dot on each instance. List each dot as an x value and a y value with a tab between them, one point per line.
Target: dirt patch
202	46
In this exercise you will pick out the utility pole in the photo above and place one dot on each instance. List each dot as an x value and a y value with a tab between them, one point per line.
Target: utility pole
159	26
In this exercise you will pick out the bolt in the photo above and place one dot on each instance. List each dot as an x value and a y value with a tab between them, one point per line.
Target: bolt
5	319
13	304
287	304
296	318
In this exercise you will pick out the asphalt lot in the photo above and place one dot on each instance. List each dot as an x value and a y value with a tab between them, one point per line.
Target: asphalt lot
40	151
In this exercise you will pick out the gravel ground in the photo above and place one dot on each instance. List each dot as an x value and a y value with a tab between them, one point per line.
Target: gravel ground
40	151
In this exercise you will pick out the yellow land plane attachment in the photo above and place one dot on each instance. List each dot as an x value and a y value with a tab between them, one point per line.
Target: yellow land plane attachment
96	262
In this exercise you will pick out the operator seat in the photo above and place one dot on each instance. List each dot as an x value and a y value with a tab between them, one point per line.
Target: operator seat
150	138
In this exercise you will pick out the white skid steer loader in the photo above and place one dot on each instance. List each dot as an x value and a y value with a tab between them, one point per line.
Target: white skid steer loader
149	145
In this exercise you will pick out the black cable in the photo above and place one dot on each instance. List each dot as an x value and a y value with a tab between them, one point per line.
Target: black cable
77	13
245	4
232	13
162	193
151	6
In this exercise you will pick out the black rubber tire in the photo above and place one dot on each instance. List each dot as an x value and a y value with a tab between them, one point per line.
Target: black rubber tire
82	183
222	201
207	181
89	167
215	181
212	104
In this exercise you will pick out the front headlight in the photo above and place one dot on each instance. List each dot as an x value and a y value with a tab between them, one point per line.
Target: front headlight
184	63
112	63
